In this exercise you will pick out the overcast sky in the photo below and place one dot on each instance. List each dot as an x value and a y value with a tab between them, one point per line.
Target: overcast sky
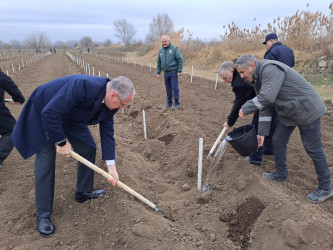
64	20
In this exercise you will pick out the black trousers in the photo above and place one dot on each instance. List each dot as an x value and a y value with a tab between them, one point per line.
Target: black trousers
6	146
45	174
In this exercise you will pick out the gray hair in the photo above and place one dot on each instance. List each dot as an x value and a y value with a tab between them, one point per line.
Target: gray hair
123	86
167	37
225	66
244	61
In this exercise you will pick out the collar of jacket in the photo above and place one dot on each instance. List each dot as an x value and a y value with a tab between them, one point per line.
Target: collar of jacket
256	72
275	44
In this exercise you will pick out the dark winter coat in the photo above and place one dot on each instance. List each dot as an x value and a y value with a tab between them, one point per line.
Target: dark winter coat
7	121
281	53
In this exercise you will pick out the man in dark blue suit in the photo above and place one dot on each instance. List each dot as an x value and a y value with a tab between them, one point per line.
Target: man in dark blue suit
55	119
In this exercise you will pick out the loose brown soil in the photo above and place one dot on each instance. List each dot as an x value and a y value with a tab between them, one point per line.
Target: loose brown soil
243	210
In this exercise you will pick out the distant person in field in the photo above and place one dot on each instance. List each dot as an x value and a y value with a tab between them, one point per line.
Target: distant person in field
297	104
277	51
170	60
7	121
55	119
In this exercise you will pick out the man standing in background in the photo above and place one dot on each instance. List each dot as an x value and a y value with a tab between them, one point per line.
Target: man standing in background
7	121
170	60
277	51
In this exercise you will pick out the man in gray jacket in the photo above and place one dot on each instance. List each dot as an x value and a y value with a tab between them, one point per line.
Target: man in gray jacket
296	103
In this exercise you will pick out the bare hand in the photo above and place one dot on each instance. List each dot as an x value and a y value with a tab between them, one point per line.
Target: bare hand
113	172
65	150
241	114
178	74
226	126
261	140
158	76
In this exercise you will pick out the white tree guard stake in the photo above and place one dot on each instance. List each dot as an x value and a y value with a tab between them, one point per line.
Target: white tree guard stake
144	124
13	68
89	68
93	71
22	63
7	73
191	74
19	67
99	73
200	163
107	75
217	76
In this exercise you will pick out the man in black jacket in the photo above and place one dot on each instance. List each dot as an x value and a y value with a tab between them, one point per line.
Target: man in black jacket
243	92
7	121
277	51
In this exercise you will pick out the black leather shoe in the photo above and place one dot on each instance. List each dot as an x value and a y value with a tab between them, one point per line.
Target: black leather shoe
83	196
45	226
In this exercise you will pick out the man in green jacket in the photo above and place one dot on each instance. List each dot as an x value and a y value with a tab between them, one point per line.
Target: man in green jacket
296	103
170	60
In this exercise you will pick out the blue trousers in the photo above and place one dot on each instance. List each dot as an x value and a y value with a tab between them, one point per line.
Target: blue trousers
45	174
268	142
171	85
311	138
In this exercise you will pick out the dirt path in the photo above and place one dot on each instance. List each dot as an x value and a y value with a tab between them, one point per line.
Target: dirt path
243	210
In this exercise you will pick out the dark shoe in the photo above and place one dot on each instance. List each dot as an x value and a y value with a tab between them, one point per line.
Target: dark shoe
275	177
257	163
176	107
83	196
45	226
267	152
320	195
168	106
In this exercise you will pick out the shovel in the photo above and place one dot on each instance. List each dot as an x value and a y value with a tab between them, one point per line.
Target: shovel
216	142
119	183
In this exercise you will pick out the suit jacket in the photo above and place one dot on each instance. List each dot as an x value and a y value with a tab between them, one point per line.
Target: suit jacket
67	105
7	121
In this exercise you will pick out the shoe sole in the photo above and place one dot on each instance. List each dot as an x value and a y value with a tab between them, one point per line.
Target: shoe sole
47	235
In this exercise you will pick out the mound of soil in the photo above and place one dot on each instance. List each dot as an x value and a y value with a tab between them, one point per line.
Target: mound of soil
242	210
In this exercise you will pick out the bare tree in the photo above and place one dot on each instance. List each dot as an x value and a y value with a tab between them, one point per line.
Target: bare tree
161	25
72	44
86	42
37	41
107	42
124	31
16	44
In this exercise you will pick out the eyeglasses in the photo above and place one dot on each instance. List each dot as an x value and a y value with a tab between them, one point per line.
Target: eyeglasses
121	104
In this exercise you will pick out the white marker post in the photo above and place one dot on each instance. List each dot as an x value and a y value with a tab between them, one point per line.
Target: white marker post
144	124
200	163
192	74
217	76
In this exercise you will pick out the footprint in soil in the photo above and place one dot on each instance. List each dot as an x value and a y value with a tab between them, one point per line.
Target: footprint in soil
167	139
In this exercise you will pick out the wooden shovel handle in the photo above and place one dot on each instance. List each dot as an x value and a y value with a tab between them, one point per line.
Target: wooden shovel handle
108	176
217	141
